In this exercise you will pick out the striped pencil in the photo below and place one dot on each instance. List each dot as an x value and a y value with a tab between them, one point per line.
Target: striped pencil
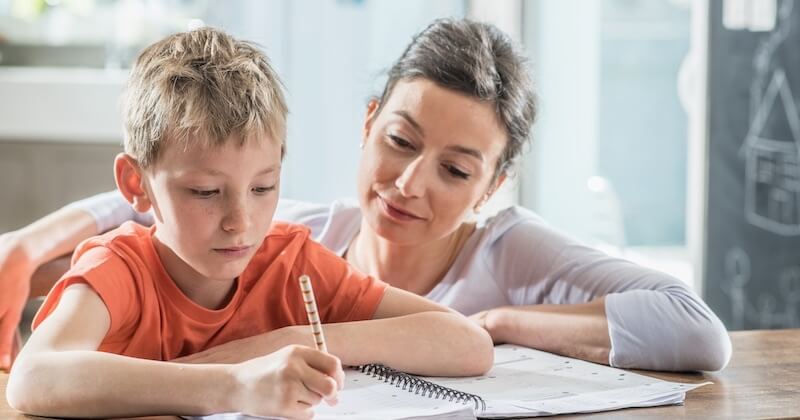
313	314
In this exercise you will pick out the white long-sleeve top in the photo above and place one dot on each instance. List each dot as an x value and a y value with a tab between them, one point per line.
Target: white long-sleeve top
514	258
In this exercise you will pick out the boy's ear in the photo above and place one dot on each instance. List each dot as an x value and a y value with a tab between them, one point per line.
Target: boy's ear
372	113
130	181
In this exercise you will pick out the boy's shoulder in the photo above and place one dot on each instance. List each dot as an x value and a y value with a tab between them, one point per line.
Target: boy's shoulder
129	238
285	230
290	244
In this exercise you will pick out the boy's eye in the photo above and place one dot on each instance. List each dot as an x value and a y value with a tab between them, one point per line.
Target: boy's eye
203	193
458	173
401	142
263	190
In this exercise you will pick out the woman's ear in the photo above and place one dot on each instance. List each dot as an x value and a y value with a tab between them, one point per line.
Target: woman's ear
492	189
372	113
130	182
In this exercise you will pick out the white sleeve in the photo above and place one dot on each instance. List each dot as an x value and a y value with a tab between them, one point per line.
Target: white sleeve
109	210
313	215
654	320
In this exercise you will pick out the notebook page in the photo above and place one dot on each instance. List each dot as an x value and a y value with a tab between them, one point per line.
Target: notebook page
366	397
529	382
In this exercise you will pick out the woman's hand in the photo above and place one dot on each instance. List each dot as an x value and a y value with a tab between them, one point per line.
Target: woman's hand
251	347
16	269
287	383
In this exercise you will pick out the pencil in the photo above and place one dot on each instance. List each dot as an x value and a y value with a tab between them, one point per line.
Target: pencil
313	314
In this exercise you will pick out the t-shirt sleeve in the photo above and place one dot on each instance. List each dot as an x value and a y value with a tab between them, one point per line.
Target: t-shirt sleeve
311	215
342	292
109	276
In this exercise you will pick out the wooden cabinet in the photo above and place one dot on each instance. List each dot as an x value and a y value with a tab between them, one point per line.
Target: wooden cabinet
38	177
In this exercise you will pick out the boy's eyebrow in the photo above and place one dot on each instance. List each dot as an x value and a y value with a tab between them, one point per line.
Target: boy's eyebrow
214	172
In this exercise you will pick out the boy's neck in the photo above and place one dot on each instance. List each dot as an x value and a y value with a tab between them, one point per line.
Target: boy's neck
209	293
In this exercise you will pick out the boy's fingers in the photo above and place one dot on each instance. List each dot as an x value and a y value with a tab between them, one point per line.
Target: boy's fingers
320	384
324	362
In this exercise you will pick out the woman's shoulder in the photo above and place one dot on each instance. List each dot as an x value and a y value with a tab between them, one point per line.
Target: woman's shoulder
332	224
515	224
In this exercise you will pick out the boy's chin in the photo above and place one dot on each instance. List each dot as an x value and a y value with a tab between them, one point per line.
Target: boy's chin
223	274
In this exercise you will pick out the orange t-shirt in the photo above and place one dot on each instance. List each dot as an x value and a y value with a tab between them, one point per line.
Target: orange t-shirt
152	319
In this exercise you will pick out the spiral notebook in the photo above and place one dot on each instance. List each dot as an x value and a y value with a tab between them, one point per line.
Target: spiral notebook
522	383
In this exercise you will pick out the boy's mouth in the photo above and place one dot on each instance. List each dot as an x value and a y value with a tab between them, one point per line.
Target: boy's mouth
234	251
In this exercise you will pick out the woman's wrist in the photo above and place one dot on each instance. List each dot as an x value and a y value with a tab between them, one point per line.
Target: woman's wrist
17	249
499	323
491	322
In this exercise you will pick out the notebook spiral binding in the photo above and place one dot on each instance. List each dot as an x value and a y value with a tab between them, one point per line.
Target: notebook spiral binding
419	386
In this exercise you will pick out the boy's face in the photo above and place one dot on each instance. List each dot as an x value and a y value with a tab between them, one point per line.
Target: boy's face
213	206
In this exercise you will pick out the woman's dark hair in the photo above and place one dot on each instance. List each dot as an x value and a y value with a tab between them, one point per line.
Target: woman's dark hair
481	61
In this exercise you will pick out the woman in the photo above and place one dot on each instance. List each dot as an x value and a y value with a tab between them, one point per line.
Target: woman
438	142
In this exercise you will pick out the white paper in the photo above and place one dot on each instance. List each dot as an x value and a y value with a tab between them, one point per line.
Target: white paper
523	382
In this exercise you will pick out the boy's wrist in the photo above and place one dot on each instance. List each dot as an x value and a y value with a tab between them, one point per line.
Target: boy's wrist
222	389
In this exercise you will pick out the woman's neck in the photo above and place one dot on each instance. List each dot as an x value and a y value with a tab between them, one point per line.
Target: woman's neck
417	268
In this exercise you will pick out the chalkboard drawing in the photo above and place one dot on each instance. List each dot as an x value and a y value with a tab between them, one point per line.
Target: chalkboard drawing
737	270
790	291
772	153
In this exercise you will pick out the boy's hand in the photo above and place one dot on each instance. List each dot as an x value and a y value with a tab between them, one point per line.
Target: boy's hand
287	383
16	270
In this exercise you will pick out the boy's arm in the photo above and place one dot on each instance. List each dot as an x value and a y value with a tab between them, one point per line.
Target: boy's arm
413	334
60	373
407	332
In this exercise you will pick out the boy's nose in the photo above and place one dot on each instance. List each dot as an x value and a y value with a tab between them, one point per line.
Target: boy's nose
235	219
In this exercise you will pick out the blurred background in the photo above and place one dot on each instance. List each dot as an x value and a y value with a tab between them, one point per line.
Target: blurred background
633	96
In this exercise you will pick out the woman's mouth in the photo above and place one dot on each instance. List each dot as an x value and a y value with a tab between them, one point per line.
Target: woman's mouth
395	212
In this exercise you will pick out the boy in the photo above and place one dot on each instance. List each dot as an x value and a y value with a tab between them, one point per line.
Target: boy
204	125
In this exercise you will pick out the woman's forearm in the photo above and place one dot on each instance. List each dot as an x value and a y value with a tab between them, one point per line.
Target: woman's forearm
578	330
56	234
96	384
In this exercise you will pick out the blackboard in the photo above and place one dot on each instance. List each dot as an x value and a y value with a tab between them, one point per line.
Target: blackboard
752	246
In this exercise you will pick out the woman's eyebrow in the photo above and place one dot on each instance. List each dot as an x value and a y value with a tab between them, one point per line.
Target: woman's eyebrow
467	151
411	121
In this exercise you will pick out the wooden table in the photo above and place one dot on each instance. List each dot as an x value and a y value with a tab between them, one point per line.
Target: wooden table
762	380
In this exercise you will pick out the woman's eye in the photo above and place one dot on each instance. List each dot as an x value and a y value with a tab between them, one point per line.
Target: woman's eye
400	142
203	193
456	172
263	190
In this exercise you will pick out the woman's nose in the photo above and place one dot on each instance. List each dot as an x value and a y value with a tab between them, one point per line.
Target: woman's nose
411	182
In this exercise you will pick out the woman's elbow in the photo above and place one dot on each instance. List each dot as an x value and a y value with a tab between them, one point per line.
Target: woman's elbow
711	346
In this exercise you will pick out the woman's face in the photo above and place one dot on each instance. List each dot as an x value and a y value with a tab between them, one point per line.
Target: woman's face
429	157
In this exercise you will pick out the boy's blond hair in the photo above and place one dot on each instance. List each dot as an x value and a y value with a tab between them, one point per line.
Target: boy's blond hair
202	85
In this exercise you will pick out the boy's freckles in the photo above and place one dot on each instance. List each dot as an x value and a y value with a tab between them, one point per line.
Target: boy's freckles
214	233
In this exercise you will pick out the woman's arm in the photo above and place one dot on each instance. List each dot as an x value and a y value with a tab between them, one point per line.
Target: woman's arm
577	330
31	259
60	374
21	254
574	300
408	333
